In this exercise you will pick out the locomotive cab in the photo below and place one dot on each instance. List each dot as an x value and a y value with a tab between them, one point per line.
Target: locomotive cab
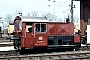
31	32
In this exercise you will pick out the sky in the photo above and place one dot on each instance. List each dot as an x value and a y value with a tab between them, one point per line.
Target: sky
60	8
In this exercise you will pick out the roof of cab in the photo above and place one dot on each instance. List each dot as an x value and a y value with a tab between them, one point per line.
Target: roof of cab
33	19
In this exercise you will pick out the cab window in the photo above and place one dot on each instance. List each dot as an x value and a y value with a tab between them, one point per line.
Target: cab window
29	27
40	27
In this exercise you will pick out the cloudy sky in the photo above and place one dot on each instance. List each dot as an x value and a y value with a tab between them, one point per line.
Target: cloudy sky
60	8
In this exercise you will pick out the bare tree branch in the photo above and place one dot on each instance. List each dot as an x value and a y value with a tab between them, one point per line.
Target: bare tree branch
9	18
50	16
18	11
35	13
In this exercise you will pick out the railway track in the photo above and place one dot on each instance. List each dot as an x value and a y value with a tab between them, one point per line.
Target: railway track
5	42
74	55
82	53
87	47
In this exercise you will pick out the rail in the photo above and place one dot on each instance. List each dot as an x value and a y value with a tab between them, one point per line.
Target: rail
51	56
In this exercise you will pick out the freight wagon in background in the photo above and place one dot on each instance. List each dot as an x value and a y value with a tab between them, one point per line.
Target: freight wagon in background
38	32
10	30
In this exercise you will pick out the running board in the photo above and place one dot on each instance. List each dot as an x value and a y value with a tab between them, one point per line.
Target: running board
61	46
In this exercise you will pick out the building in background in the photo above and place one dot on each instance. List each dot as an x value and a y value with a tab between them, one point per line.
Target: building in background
84	15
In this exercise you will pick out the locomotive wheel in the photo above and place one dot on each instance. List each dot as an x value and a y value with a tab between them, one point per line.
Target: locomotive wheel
14	43
17	44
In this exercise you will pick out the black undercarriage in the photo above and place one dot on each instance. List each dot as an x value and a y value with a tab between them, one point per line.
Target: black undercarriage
53	42
62	41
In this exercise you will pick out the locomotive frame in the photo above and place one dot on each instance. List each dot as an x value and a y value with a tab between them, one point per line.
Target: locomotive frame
38	32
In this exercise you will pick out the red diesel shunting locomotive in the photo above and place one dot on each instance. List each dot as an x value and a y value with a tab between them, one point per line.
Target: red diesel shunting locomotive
38	32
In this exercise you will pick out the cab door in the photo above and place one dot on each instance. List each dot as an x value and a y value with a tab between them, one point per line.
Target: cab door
40	34
29	35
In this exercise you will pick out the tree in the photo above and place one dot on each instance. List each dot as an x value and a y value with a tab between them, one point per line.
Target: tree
59	20
50	16
75	18
28	14
17	12
33	13
8	18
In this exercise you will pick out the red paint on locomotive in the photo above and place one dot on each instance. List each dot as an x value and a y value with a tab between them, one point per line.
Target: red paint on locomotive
77	39
60	28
